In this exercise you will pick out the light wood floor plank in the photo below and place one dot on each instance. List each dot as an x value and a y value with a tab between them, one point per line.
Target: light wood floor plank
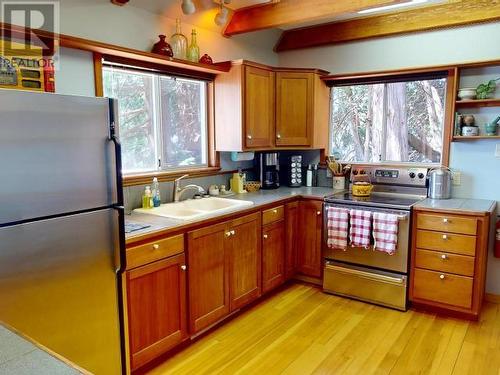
302	331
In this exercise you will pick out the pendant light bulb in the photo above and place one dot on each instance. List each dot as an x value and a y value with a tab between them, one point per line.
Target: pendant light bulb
221	17
188	7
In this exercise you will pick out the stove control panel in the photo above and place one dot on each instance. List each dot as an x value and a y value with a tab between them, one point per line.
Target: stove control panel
408	176
387	173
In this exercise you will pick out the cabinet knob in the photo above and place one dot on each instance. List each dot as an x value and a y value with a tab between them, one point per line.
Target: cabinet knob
445	220
227	234
445	237
275	211
232	232
249	136
265	236
183	267
318	213
278	136
444	257
441	277
156	246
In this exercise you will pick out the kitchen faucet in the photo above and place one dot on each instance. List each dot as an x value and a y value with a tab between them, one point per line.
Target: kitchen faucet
178	191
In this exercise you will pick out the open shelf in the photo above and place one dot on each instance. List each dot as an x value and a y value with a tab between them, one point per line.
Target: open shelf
478	103
474	137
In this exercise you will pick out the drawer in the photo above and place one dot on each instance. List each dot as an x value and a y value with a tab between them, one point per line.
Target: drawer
445	262
443	288
447	242
447	223
151	251
273	214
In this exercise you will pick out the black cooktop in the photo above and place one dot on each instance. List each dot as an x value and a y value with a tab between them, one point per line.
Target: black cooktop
376	200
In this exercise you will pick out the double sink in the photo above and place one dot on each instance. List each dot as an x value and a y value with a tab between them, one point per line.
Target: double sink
195	208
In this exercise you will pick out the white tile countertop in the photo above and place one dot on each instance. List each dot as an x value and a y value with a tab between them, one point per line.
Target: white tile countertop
19	356
259	198
473	206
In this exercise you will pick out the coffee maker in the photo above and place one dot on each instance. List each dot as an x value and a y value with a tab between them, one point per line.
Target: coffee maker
269	170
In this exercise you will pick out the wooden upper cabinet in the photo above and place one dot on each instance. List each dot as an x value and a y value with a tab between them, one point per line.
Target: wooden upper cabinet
258	107
157	315
294	108
244	251
309	239
208	276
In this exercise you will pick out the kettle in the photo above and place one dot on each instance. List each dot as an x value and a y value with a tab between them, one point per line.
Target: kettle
439	183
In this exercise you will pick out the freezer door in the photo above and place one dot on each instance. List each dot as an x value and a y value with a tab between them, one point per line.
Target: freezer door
55	156
58	286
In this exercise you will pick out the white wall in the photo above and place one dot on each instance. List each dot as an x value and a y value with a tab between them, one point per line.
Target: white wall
480	169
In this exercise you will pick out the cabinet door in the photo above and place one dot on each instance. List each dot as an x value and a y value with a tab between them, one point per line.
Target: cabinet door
258	107
245	260
294	108
207	276
156	300
292	216
309	238
273	255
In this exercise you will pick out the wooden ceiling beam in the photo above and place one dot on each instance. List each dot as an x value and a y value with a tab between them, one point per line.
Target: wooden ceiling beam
287	12
456	13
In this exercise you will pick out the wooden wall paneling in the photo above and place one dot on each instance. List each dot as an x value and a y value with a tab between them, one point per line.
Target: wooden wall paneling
449	115
98	82
449	14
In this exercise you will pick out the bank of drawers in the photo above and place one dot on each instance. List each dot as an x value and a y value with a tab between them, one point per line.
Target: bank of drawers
445	258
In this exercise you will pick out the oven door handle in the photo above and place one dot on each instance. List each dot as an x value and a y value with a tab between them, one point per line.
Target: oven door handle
368	275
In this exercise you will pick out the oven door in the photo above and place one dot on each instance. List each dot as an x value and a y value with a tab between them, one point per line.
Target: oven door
398	262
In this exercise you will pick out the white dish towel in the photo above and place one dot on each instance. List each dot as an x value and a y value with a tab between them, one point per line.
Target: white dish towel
385	232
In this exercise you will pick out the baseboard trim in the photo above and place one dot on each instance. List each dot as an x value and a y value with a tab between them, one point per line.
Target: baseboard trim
490	297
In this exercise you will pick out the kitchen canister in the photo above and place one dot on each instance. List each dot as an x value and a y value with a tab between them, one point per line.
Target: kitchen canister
338	182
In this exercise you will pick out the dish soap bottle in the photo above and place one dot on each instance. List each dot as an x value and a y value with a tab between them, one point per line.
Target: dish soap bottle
193	52
237	183
156	193
147	198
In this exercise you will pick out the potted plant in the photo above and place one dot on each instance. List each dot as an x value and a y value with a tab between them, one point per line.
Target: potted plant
484	90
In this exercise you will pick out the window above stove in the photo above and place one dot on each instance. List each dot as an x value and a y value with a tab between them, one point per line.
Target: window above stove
393	119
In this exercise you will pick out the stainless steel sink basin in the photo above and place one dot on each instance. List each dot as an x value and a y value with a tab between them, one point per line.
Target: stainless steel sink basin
195	208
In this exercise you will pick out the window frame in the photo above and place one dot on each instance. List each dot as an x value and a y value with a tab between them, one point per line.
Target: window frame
212	166
450	73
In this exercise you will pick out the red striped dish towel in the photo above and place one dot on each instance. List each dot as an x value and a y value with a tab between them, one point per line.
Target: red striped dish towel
360	228
337	224
385	232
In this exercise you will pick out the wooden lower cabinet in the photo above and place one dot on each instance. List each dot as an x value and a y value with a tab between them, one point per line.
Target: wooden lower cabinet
292	221
309	238
273	255
224	269
244	250
157	314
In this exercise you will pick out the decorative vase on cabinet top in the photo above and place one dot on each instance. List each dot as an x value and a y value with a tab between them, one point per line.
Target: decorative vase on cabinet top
162	47
193	52
179	42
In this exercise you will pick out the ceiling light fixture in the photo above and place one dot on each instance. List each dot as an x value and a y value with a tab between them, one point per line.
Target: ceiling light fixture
188	7
221	17
393	6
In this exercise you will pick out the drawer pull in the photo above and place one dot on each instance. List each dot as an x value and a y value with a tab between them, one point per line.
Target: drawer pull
441	277
445	237
278	136
183	267
156	246
444	257
275	211
249	136
265	236
445	220
228	233
233	232
318	213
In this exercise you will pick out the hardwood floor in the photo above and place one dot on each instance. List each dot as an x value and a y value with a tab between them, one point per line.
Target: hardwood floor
304	331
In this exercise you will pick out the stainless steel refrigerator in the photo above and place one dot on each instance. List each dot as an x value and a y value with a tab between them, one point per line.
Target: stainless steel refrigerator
61	226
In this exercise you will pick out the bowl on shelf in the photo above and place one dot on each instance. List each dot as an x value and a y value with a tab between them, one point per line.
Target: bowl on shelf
467	93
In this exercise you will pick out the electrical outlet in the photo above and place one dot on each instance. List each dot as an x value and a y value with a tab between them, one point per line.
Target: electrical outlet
497	151
456	178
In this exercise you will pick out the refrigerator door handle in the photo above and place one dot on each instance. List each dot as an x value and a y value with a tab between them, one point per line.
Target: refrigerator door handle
113	136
